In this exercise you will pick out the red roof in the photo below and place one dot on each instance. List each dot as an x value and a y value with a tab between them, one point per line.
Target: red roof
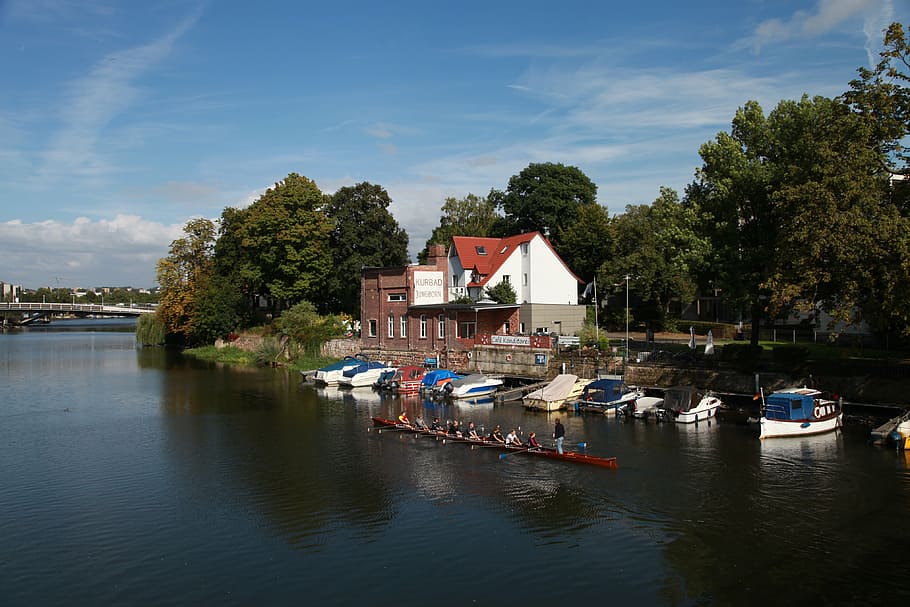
486	255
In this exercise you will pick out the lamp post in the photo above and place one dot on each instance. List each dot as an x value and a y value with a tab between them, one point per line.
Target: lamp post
627	323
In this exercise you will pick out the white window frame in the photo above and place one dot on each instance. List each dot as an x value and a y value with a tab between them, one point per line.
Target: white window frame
441	333
403	326
423	326
372	327
391	325
398	297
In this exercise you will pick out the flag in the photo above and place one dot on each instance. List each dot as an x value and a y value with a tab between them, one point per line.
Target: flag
588	290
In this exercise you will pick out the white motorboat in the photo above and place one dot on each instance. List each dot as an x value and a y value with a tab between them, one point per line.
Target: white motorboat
563	389
330	374
686	405
363	375
607	394
476	385
799	412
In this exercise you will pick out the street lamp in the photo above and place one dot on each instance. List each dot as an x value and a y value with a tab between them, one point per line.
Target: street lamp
627	323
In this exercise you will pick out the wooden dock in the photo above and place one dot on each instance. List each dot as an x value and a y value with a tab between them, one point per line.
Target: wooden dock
880	435
519	392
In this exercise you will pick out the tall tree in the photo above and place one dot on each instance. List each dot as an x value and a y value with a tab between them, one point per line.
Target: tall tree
181	275
279	245
587	243
364	233
659	246
543	197
468	216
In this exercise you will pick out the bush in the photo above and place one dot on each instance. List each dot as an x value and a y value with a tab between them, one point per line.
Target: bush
268	352
150	330
790	357
744	357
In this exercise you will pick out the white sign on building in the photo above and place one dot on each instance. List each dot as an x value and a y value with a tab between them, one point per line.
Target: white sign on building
429	288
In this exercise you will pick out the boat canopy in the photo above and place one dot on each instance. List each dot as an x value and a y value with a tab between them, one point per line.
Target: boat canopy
558	389
604	390
344	363
364	366
790	405
410	373
681	398
431	378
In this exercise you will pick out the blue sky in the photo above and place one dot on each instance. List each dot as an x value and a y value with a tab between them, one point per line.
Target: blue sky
121	120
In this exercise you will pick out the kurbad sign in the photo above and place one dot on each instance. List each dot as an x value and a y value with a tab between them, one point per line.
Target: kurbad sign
429	288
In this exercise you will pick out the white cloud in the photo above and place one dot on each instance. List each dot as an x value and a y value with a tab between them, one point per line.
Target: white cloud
107	252
828	15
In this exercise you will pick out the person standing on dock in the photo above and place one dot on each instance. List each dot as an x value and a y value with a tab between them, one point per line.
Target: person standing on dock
559	433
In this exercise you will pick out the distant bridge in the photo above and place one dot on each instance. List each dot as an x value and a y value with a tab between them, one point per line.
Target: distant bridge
32	312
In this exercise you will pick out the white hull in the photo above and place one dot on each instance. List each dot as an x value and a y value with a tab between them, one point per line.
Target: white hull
647	406
329	378
774	428
364	379
475	392
556	400
705	409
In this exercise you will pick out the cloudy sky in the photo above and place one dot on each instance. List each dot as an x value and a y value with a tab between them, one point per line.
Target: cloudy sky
121	120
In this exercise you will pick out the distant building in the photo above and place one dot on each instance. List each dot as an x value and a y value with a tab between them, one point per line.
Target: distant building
10	292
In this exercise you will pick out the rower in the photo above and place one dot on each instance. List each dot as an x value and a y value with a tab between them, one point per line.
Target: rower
496	435
454	430
512	439
532	441
436	426
471	432
403	418
420	424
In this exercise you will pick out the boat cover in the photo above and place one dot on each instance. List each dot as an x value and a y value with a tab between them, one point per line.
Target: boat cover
558	389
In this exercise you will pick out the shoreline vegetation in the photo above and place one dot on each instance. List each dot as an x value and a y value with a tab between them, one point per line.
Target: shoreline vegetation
239	356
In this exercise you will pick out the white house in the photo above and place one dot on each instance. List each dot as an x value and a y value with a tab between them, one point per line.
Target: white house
545	287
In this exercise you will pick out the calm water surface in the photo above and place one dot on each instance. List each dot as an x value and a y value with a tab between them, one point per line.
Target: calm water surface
134	476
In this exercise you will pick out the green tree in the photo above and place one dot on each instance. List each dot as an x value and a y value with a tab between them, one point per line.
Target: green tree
502	293
661	248
587	243
544	197
364	234
306	329
219	308
278	247
468	216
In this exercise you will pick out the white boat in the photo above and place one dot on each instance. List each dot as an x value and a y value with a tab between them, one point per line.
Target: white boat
476	385
563	389
686	405
363	375
642	408
329	375
799	412
607	394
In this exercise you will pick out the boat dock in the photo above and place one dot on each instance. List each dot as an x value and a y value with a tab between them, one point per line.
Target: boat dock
880	435
518	392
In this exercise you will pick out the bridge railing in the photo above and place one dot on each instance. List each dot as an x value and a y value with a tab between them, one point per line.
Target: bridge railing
72	307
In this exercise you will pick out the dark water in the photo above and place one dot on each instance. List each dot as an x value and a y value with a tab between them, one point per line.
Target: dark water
137	477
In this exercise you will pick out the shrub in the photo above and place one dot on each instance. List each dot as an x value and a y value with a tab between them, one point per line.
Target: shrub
150	330
744	357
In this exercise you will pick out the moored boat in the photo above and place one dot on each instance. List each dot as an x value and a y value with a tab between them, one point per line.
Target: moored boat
476	385
686	405
330	374
362	375
799	412
407	380
564	388
437	378
606	395
545	452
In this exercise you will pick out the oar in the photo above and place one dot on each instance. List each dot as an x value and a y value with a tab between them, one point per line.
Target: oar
515	452
391	429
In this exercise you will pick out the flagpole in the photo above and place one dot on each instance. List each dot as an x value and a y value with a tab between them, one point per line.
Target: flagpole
596	326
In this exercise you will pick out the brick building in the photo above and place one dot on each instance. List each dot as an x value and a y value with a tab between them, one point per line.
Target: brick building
407	308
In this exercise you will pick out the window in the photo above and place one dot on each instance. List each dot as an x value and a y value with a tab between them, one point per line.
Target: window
397	297
521	327
404	326
455	279
372	328
524	249
504	249
506	279
391	326
467	330
507	327
524	279
442	327
480	250
423	326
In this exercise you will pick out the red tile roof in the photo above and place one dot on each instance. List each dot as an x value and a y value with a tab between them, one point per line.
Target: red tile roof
497	251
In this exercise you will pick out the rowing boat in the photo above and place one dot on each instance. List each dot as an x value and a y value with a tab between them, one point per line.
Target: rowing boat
567	456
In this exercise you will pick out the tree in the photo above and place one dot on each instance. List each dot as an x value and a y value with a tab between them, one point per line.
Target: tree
733	188
364	233
587	243
502	293
881	95
659	245
180	276
278	247
306	329
468	216
543	197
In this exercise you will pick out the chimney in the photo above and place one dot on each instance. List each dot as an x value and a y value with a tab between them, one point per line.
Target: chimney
436	256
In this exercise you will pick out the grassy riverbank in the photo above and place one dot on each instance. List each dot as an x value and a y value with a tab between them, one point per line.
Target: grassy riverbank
237	356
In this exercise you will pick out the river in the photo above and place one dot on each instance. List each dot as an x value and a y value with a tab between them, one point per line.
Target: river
138	476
